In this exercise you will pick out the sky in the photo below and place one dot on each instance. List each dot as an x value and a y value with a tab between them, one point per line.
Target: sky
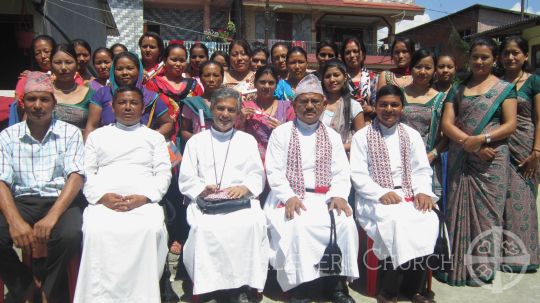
435	9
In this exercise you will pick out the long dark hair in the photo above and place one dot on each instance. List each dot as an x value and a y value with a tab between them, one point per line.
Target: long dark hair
358	43
277	44
160	44
409	44
521	43
482	41
212	62
172	46
37	38
65	48
420	54
198	45
328	43
296	49
102	50
345	93
83	43
242	43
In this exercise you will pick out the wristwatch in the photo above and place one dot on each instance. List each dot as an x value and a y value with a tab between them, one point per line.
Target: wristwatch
488	138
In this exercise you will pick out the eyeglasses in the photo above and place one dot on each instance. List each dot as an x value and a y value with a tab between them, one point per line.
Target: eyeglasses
314	102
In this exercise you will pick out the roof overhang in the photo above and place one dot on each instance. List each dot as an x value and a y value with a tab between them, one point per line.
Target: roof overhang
108	18
513	28
187	4
346	7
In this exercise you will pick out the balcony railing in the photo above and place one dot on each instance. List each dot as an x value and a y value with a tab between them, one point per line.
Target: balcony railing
309	46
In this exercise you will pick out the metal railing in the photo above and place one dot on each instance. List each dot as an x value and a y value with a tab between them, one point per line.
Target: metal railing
309	46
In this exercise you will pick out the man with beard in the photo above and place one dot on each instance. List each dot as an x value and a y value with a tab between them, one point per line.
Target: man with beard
309	176
226	253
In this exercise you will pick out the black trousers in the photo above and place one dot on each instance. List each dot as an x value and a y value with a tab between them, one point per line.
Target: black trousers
409	278
176	213
65	240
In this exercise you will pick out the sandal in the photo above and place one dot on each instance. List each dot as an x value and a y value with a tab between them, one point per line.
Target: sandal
176	248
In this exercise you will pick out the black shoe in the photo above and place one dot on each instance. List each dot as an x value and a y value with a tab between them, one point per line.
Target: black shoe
240	295
340	296
212	297
299	295
299	300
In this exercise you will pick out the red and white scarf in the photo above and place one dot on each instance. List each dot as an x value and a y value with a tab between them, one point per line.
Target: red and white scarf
379	160
323	160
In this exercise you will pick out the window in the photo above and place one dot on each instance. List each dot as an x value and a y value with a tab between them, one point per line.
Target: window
154	28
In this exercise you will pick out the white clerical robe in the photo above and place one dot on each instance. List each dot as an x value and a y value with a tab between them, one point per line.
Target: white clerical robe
399	231
124	253
298	244
224	251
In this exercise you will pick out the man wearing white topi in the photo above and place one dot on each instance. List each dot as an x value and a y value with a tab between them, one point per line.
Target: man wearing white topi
392	177
309	176
227	249
124	234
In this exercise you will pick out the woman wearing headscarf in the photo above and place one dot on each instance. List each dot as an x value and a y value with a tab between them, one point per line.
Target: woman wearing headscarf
128	70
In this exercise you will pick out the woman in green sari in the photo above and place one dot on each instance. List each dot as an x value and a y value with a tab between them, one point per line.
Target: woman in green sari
520	214
423	110
479	116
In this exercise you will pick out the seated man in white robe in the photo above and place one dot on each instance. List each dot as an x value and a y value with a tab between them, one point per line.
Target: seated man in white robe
226	253
392	177
309	176
124	234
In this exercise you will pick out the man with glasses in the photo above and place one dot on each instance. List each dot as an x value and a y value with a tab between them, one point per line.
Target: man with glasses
309	176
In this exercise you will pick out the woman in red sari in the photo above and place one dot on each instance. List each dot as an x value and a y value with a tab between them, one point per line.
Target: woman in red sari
151	46
172	86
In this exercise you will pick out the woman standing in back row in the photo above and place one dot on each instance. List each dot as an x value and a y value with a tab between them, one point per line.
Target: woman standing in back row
478	118
361	81
400	76
239	76
520	214
423	111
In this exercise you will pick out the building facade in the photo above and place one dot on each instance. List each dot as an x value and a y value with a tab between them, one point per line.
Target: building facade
473	20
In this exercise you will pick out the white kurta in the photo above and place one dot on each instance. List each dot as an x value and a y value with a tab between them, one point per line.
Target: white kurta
124	253
224	251
298	244
398	231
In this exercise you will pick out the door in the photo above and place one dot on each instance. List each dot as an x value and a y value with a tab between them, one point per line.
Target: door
284	26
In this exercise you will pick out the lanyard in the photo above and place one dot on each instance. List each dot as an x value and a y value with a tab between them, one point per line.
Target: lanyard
224	161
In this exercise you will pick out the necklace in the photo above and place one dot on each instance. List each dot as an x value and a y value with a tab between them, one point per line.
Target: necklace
271	108
395	80
67	91
224	161
518	78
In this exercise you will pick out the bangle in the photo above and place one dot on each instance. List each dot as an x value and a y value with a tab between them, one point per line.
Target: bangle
488	138
434	153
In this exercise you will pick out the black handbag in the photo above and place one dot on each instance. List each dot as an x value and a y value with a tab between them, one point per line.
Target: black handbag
222	206
441	253
331	260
